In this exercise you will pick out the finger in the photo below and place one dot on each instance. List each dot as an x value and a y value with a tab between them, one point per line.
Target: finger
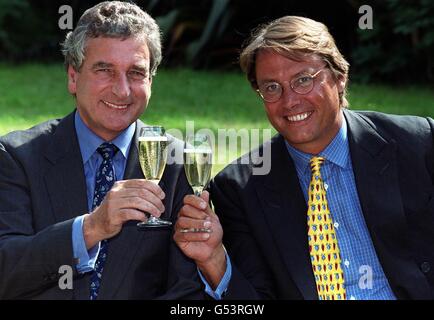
139	184
132	214
195	230
195	201
191	236
211	213
192	212
141	193
194	225
135	203
123	215
205	196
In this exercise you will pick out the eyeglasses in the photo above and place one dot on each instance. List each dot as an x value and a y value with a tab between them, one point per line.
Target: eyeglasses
301	84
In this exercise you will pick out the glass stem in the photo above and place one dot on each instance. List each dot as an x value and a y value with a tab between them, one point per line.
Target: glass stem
197	193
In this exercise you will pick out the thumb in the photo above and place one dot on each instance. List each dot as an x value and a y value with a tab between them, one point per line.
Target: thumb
205	196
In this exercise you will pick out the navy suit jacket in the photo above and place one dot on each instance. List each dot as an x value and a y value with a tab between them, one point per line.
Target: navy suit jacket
264	216
42	190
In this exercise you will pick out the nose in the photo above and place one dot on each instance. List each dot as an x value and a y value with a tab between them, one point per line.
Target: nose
289	98
121	86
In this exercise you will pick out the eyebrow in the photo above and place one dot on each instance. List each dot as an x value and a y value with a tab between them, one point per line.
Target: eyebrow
308	70
141	68
101	64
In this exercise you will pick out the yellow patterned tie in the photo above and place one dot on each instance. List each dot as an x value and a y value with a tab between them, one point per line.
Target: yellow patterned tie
323	245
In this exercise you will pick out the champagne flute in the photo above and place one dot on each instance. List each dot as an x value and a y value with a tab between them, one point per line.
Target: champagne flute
152	158
197	166
198	161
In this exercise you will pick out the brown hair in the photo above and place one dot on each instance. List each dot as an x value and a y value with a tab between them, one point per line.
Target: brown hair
294	37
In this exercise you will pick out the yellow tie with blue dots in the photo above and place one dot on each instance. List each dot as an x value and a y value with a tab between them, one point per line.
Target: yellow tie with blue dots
323	244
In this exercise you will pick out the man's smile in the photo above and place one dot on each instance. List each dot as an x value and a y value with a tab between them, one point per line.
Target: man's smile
299	117
115	106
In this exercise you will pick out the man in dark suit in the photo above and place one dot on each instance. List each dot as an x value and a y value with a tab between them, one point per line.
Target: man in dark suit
368	175
54	176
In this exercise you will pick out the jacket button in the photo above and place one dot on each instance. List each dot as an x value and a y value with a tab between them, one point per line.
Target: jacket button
425	267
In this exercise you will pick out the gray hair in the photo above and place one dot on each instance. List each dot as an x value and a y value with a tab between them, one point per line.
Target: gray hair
112	19
294	37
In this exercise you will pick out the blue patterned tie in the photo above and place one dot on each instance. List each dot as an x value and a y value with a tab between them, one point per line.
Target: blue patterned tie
105	178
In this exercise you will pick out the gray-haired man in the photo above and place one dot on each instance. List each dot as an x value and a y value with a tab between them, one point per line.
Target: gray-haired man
54	176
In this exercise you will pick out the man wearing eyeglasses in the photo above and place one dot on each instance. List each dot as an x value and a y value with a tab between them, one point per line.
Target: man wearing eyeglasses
347	209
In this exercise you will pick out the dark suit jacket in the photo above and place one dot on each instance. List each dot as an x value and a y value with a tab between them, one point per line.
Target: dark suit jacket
264	216
42	190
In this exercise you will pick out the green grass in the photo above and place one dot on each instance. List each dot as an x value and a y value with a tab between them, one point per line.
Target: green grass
34	93
214	100
393	99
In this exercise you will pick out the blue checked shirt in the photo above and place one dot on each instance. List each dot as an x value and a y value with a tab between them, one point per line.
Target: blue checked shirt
363	274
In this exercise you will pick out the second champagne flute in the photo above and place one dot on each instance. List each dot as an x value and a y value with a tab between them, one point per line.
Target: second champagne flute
198	161
197	165
153	157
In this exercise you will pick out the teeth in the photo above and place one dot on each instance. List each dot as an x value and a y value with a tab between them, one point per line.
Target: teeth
115	106
299	117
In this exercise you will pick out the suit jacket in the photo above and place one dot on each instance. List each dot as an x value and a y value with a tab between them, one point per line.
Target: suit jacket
264	216
42	190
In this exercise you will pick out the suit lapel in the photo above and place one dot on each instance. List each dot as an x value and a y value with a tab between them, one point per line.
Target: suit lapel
65	178
376	175
65	183
284	208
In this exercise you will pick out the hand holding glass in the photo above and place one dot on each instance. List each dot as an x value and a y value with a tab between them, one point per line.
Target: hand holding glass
152	158
197	165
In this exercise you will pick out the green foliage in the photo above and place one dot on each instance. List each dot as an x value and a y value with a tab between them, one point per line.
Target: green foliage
190	28
9	9
167	21
400	48
217	11
29	30
209	33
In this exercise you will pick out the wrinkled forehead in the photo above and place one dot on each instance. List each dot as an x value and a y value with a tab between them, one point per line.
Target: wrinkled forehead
269	60
139	38
117	51
298	55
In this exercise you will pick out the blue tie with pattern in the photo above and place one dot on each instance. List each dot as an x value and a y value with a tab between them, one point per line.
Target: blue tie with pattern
105	178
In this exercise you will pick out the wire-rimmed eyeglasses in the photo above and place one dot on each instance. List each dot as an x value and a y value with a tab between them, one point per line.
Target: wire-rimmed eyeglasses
302	84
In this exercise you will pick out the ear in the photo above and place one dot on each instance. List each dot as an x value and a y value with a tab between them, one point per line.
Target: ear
72	80
341	82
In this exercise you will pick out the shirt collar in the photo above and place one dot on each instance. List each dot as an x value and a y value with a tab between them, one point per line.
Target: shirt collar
89	141
336	152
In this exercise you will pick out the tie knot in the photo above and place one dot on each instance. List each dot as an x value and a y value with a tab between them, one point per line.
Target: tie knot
107	150
316	162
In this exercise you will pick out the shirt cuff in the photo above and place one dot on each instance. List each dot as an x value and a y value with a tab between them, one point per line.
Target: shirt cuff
85	259
224	283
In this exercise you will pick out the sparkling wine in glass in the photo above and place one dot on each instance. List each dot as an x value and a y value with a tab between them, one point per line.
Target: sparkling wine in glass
152	157
198	161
